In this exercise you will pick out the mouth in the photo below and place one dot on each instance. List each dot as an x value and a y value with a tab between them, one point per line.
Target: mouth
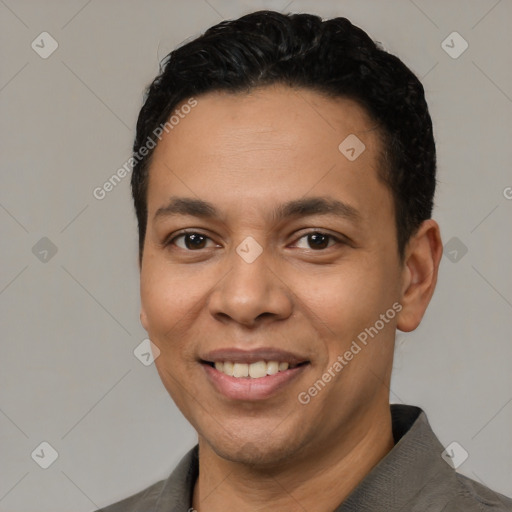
252	375
256	370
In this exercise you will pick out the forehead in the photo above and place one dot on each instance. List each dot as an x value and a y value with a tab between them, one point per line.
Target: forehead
263	145
273	114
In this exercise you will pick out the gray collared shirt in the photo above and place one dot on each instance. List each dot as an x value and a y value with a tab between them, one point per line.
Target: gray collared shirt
412	477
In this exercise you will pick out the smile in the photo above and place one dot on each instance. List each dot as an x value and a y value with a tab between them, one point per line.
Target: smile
255	370
248	382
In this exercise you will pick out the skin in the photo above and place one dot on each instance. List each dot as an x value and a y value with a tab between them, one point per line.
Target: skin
245	154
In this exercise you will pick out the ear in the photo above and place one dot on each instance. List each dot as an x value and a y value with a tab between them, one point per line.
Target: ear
143	318
421	264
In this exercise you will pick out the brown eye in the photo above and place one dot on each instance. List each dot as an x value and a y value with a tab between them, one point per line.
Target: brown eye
190	241
317	240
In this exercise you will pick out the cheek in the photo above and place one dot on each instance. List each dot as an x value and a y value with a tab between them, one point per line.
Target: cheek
162	300
157	302
165	289
347	301
172	300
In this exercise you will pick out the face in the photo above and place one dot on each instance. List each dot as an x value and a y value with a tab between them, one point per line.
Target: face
266	244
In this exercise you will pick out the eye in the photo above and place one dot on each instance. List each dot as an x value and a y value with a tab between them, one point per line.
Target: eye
191	241
318	240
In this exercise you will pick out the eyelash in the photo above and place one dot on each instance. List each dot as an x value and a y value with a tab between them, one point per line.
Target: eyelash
338	240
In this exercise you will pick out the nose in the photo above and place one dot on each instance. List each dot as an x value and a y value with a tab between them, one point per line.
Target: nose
251	294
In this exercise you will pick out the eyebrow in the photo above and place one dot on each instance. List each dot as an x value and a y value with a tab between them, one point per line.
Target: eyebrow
296	208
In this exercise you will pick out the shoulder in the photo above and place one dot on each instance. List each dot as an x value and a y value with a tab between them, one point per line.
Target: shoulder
137	502
172	493
473	496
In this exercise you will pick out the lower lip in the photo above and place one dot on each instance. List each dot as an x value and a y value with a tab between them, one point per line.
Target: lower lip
246	388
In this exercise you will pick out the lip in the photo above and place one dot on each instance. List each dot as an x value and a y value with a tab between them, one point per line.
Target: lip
236	355
248	389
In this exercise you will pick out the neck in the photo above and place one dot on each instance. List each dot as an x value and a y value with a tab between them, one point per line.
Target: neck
320	480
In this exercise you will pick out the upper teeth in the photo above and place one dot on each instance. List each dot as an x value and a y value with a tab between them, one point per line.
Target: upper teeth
253	370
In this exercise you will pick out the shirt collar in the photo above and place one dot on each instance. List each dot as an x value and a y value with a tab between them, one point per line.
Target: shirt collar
414	466
411	473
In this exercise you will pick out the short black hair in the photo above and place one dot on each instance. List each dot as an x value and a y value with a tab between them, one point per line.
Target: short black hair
332	57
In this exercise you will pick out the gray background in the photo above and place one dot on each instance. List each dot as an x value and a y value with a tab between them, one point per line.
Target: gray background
70	320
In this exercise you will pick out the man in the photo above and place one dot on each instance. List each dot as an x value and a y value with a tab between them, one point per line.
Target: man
284	174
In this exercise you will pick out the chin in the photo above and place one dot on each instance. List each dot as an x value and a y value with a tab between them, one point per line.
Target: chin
259	450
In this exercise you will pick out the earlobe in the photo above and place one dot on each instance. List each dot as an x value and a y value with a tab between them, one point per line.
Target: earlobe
143	319
423	255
